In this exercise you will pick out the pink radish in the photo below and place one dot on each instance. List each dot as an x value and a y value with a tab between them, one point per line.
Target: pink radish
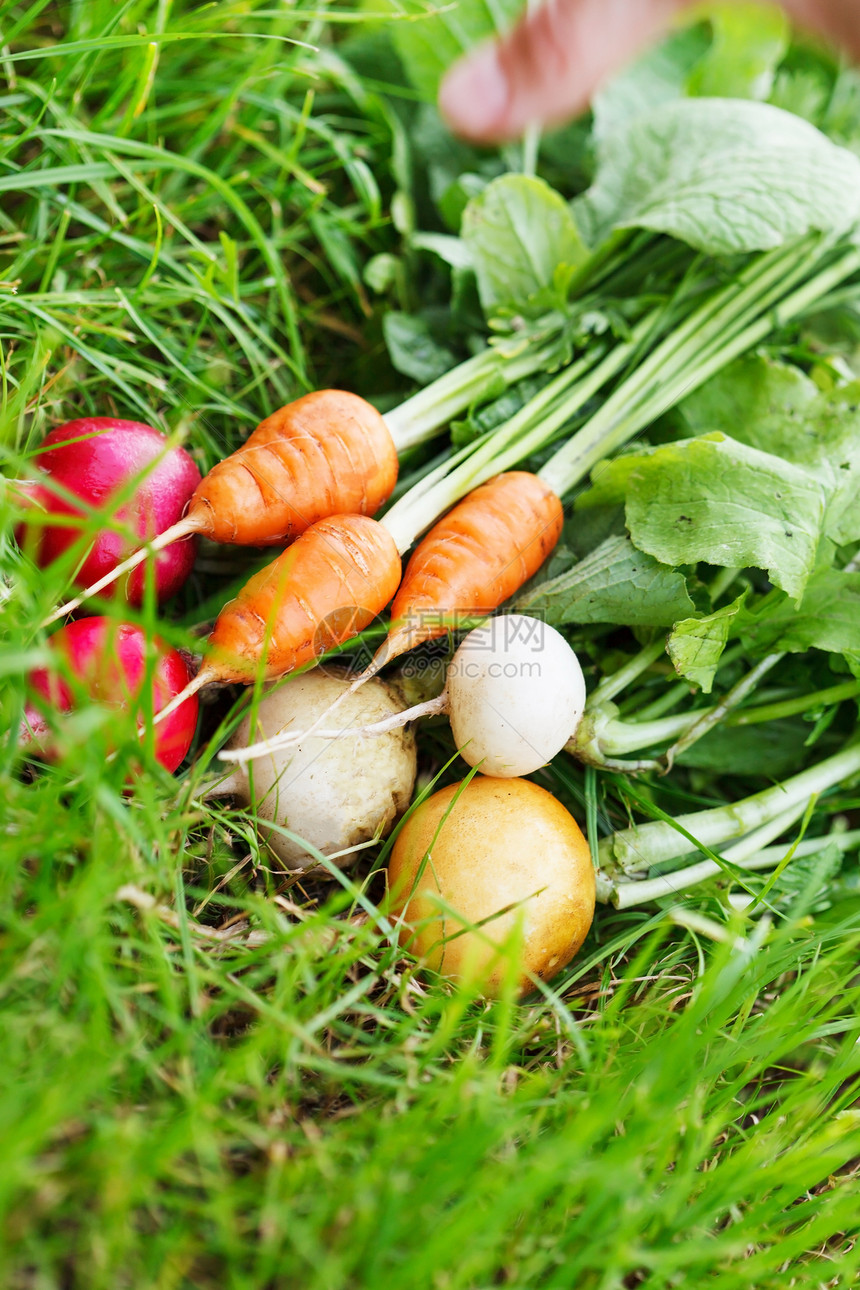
94	459
108	661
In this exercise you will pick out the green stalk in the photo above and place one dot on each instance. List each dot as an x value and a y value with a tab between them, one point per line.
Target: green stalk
747	854
721	583
497	368
665	702
793	707
706	721
612	685
671	366
709	340
418	418
547	412
619	738
728	323
639	848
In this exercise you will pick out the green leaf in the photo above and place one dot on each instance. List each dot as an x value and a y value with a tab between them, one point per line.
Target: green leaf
751	399
521	236
749	43
585	530
774	748
430	36
615	584
805	92
828	618
724	175
775	408
696	645
842	120
500	405
381	272
828	440
438	161
659	76
412	349
718	500
452	250
610	479
733	55
456	196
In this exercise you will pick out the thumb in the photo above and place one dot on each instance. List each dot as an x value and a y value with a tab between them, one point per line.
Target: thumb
548	67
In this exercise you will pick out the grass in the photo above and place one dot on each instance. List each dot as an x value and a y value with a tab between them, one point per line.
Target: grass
214	1077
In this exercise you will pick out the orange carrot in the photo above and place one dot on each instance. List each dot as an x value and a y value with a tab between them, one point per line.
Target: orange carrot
328	453
468	564
474	558
329	585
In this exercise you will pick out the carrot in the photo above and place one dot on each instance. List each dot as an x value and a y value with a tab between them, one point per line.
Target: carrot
328	453
474	558
329	585
471	561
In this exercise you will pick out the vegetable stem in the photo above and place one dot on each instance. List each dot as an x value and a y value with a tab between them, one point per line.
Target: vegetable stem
665	702
727	325
619	738
793	707
721	583
708	720
746	854
421	415
618	681
418	508
526	431
639	848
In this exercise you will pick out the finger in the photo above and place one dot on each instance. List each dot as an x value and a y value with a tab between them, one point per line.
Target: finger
838	20
548	67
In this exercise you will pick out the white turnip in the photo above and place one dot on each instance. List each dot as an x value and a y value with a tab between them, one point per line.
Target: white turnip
514	693
334	795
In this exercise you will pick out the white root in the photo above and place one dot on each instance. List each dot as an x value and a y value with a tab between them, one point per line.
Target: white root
182	528
395	722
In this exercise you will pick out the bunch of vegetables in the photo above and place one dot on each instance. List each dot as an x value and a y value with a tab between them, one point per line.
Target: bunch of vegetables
712	228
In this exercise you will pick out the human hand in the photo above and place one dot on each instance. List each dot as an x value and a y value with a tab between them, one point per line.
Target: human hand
546	70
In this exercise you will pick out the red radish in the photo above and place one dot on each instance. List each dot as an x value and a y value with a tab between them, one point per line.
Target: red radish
94	459
110	662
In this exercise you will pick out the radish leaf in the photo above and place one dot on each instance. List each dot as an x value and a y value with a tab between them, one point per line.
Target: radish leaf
718	500
749	43
696	645
724	175
659	76
614	584
522	239
412	348
751	400
775	408
828	618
